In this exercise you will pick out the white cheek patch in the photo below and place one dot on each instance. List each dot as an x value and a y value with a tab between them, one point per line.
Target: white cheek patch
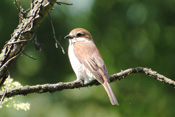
79	39
82	39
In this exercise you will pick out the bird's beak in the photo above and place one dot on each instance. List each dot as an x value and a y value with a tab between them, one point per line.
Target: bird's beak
68	37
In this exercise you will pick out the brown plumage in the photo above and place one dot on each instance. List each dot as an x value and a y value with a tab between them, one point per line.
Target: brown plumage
86	60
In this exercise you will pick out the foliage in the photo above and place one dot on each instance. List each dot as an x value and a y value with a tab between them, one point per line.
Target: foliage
11	102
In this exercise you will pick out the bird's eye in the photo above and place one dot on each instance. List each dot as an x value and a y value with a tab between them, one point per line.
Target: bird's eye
79	34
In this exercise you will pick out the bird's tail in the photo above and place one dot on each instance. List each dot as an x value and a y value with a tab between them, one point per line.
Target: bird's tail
110	93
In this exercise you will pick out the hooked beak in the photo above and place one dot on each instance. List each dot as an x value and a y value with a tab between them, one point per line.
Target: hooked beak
68	37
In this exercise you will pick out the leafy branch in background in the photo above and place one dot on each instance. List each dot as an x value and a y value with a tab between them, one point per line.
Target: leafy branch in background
11	102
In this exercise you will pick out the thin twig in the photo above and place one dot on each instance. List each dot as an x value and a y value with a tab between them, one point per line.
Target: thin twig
5	88
37	45
76	84
60	3
29	56
54	35
20	41
6	63
16	3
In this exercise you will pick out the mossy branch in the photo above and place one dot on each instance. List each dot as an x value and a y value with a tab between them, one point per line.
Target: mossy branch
23	33
25	90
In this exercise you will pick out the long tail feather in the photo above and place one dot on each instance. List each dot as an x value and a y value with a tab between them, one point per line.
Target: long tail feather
110	93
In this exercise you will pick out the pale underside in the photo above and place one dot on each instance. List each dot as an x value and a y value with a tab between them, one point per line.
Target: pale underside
89	65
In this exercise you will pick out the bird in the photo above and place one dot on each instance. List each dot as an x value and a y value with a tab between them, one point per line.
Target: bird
86	60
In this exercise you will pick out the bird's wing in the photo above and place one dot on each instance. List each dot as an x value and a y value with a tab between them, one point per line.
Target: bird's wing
88	54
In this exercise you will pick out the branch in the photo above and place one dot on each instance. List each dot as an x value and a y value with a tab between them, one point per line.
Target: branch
75	84
23	33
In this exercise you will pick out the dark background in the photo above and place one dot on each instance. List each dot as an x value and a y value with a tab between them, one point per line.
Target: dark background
128	33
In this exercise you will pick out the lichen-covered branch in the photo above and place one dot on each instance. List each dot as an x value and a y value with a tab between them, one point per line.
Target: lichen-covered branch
24	31
71	85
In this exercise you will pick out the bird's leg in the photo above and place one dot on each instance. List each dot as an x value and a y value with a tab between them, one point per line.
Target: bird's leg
79	80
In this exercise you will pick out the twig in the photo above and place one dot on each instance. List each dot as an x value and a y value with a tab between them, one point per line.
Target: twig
75	84
22	12
7	62
16	42
37	45
60	3
29	56
2	98
20	41
54	35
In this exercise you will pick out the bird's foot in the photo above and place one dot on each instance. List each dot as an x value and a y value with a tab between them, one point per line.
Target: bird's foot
80	81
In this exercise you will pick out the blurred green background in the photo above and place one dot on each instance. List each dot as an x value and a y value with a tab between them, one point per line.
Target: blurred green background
128	33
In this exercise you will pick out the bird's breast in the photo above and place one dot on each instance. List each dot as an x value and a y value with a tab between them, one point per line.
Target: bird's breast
79	69
76	65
